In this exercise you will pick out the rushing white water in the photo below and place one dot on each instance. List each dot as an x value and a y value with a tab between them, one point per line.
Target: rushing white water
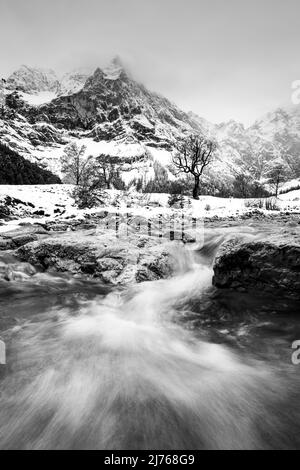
122	373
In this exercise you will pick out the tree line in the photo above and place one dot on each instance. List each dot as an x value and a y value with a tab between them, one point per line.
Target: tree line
15	169
193	156
191	160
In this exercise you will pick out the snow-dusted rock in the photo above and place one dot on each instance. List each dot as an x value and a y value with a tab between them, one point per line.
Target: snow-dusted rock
33	80
72	82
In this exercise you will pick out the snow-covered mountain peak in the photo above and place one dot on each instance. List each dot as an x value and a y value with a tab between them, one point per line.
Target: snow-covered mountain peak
74	81
284	122
114	69
33	80
233	126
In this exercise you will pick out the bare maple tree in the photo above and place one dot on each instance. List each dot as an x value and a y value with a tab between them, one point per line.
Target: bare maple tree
193	154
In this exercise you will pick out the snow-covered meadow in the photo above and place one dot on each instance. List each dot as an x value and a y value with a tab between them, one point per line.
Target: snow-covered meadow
55	202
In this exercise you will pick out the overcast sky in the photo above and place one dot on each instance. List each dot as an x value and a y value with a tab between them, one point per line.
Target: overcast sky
223	59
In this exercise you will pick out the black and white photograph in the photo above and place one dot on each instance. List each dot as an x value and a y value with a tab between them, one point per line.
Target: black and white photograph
149	227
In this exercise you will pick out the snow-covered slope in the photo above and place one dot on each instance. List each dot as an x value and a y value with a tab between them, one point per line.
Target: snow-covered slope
38	86
74	81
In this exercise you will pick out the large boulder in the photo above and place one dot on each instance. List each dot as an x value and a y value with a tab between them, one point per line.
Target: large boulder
101	255
270	264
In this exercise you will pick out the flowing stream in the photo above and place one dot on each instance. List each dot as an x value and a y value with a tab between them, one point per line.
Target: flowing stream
170	364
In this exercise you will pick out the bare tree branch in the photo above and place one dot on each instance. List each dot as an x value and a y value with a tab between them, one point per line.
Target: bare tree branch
193	154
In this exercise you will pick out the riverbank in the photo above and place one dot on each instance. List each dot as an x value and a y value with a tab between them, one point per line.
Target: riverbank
132	237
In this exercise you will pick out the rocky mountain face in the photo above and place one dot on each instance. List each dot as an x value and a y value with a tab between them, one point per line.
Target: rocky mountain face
111	105
108	109
275	136
34	81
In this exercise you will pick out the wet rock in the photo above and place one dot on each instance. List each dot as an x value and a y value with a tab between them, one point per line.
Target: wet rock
15	271
22	239
270	265
25	233
101	255
154	266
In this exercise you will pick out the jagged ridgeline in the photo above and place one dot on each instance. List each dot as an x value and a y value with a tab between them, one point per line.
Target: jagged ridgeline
15	169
